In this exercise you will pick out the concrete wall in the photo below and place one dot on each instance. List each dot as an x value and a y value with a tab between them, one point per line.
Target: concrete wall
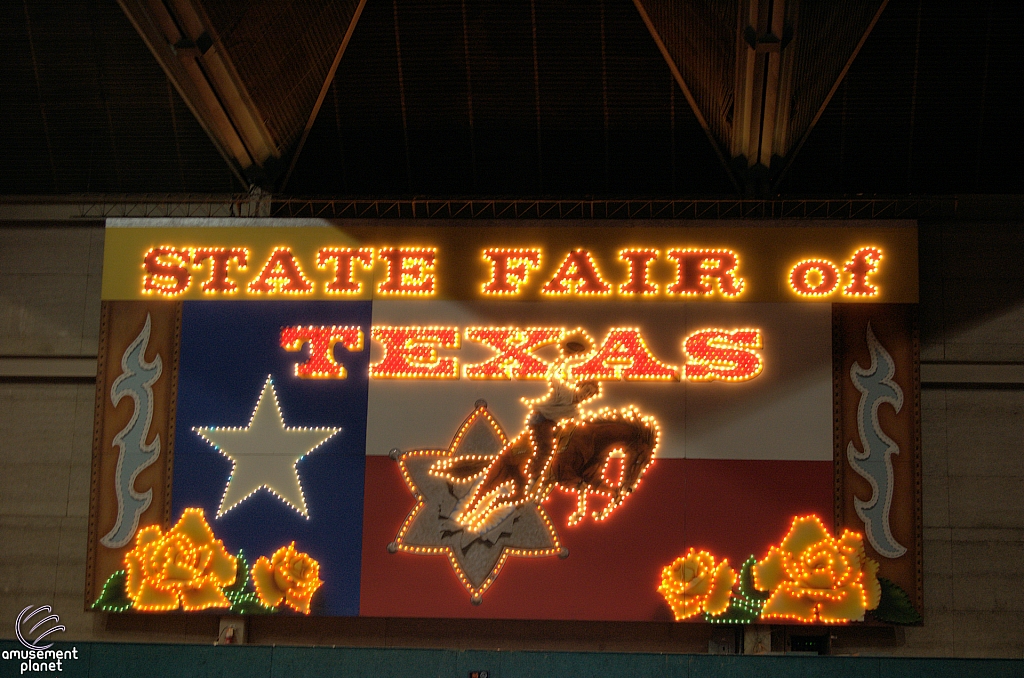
49	306
972	310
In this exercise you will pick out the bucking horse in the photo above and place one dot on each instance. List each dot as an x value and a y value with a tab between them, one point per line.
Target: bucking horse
603	453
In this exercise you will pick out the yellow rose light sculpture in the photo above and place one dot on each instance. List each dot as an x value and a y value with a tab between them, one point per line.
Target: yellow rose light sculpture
186	567
288	575
694	583
813	576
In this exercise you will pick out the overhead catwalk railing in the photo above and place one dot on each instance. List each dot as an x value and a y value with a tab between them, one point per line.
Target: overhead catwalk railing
247	205
860	208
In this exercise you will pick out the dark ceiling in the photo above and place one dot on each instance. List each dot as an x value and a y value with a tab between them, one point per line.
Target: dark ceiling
499	98
86	108
933	104
580	120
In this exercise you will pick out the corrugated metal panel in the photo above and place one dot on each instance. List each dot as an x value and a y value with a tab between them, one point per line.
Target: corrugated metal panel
602	117
282	52
826	34
85	108
701	38
932	104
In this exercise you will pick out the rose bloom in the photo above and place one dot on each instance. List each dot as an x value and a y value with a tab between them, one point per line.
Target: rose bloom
694	583
815	576
186	567
289	575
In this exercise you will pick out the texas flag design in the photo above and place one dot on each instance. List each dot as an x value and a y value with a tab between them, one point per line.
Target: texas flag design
297	473
347	468
735	462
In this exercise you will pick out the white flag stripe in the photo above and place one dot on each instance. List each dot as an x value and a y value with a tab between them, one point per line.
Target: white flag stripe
785	413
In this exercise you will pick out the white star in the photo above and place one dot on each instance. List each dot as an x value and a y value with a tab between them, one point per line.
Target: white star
265	454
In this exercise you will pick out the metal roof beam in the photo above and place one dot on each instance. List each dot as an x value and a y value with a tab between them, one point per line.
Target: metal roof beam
178	37
764	69
231	79
753	76
654	26
790	153
323	93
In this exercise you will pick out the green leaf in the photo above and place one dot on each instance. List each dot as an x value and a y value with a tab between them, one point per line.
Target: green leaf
745	604
740	611
242	594
895	607
248	603
241	575
747	589
113	597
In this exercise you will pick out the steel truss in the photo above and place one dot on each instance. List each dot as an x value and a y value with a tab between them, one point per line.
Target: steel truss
682	209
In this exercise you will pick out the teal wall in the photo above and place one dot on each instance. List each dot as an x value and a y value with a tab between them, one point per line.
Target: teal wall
128	660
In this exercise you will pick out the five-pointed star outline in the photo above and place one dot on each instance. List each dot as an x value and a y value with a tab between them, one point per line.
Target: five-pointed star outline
264	454
430	530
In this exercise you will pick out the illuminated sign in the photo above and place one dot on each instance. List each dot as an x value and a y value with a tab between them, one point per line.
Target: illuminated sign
411	272
413	353
611	422
643	263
